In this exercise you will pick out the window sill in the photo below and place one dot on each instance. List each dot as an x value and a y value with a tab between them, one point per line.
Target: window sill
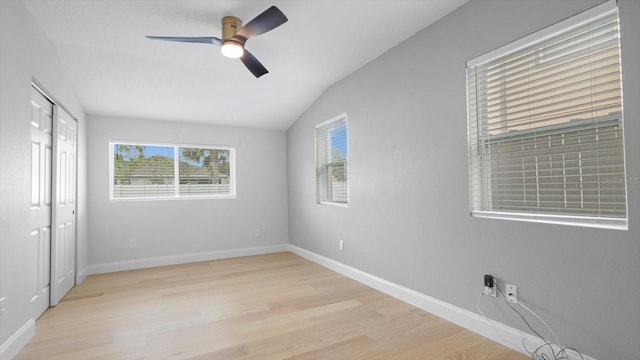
582	221
220	197
334	204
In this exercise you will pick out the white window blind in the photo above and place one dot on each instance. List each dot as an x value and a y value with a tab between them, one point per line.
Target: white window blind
332	171
171	171
545	125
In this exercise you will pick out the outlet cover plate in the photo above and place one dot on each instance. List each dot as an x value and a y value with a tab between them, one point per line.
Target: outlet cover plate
511	293
2	305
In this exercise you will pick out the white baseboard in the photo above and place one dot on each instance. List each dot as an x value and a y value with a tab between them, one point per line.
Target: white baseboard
180	259
18	340
81	275
509	337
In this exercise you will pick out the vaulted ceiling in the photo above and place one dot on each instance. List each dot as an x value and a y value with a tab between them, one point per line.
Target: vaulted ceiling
116	71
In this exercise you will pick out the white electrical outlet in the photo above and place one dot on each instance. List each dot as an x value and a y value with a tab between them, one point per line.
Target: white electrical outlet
511	293
491	291
341	245
133	244
256	233
2	301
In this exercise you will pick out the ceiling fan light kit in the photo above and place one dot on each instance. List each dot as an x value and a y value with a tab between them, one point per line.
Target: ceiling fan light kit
230	47
234	37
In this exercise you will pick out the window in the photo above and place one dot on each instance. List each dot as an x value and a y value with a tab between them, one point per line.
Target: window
545	125
169	171
332	170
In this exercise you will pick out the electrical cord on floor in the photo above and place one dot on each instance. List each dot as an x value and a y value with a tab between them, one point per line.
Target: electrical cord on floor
562	354
566	355
545	351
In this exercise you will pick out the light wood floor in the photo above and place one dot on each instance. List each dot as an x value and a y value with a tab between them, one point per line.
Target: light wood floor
276	306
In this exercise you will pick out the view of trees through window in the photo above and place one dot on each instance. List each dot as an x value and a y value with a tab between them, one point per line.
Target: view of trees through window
171	171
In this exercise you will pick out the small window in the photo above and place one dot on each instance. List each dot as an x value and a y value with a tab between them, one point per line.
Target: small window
169	171
545	125
332	170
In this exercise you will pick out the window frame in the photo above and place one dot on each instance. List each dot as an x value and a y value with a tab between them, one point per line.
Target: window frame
563	26
326	124
176	146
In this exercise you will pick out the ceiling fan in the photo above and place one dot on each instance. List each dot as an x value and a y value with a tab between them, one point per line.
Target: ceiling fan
234	36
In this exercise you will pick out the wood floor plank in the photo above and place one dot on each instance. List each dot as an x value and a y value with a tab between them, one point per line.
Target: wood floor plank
275	307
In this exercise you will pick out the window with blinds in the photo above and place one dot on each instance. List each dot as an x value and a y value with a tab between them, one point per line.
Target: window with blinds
332	170
545	125
140	171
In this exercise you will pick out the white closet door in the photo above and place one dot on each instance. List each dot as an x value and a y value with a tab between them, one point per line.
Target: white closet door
63	259
39	248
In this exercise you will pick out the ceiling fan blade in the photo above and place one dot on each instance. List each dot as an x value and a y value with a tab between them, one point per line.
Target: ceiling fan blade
253	64
268	20
202	40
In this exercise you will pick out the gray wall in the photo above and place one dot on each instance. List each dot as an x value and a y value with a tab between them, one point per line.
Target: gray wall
26	53
177	227
408	221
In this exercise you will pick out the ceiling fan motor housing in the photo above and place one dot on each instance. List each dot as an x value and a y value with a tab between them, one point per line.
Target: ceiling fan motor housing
230	26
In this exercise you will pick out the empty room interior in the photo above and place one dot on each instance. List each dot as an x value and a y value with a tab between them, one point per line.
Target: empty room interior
366	179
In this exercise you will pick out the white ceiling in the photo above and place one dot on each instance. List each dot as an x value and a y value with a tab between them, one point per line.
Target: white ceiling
116	71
